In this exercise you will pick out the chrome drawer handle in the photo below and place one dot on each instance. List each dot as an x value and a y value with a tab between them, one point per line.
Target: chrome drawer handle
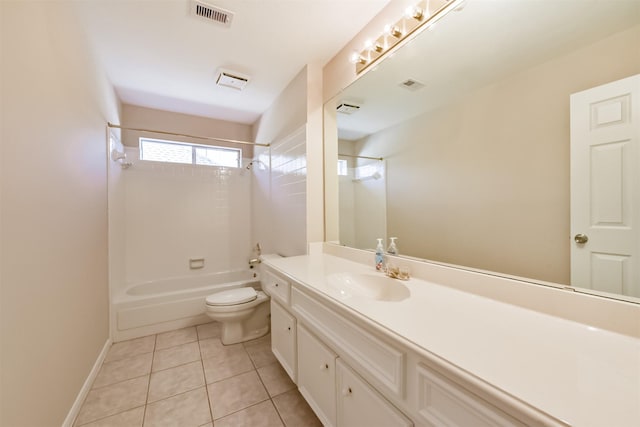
347	391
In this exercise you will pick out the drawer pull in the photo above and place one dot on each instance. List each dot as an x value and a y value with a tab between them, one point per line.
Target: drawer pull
288	328
276	285
347	391
324	367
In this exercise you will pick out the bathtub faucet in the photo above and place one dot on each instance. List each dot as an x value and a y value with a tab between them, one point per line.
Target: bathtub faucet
254	261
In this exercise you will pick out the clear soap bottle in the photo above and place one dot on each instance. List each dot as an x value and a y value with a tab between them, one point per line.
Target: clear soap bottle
393	248
380	256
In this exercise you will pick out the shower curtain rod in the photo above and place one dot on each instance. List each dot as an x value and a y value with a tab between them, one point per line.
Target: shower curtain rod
211	138
360	157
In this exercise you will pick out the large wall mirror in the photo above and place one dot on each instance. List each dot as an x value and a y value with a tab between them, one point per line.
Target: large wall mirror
460	146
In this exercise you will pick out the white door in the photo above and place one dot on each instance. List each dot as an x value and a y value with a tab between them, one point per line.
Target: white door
605	188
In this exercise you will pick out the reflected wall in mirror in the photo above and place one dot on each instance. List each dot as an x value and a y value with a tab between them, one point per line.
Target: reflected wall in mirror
473	121
363	198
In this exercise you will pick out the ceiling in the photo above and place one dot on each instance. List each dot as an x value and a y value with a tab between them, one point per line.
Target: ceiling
158	55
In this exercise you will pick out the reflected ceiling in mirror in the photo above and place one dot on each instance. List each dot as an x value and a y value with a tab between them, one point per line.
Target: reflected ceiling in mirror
473	120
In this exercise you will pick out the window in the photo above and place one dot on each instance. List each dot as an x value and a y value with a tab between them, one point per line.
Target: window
158	150
342	168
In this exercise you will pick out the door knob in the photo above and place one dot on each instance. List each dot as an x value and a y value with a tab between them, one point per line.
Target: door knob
581	238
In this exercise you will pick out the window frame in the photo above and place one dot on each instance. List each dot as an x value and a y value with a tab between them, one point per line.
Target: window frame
193	147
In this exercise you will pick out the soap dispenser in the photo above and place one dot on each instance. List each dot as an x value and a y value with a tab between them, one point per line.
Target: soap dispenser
392	249
380	256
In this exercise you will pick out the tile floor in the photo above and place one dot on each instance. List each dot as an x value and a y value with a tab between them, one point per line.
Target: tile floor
188	378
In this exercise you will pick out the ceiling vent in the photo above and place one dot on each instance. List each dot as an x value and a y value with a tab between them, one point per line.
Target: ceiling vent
412	85
345	108
231	79
211	13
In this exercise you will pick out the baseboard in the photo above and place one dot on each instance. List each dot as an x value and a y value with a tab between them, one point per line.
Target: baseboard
86	387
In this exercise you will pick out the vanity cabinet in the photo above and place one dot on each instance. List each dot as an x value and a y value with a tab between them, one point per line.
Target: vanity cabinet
441	402
353	374
317	376
360	405
283	338
276	286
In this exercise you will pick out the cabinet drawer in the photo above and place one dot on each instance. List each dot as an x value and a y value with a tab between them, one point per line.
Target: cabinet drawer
360	348
283	338
317	376
277	287
442	402
360	405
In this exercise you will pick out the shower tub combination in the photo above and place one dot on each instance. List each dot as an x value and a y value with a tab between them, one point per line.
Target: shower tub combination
167	304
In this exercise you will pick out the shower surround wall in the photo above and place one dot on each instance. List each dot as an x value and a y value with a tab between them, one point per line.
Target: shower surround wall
174	213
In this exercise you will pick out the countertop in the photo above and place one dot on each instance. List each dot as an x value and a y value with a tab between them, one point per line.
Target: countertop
574	372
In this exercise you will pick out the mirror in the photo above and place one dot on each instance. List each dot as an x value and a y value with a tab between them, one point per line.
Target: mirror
472	119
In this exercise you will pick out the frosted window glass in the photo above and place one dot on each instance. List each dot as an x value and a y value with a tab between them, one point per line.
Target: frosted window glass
179	152
342	168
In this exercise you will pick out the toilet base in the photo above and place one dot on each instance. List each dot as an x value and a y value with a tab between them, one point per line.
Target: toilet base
243	325
232	333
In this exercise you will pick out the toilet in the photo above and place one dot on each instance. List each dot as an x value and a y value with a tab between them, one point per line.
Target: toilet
243	313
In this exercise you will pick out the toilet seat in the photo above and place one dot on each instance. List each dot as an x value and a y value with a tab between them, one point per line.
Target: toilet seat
232	297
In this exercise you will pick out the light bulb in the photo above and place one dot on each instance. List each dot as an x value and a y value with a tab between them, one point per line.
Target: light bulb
356	58
414	12
392	30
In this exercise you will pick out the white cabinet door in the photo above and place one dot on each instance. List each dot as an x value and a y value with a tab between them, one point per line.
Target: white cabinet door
317	376
359	404
283	338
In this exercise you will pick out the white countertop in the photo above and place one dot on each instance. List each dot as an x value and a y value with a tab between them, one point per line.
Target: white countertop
575	373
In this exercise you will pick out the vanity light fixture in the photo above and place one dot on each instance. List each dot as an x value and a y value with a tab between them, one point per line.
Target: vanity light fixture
422	15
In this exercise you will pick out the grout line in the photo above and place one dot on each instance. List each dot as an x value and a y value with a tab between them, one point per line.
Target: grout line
206	386
146	399
271	397
107	416
245	408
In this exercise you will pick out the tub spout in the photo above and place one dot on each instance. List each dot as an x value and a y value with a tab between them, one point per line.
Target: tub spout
253	261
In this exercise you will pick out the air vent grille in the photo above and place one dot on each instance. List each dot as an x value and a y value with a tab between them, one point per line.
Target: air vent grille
412	85
211	13
345	108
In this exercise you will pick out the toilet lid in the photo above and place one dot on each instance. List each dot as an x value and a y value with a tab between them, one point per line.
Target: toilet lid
232	296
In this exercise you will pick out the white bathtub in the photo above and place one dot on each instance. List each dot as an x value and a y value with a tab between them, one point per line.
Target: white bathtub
167	304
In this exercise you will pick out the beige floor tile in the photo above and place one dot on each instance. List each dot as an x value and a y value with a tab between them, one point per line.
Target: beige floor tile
226	363
295	411
114	398
209	330
212	346
275	379
131	418
260	351
176	380
174	356
177	337
130	348
235	393
123	369
190	409
260	415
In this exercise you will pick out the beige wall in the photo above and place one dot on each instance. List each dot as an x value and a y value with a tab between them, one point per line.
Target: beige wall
148	118
55	105
485	182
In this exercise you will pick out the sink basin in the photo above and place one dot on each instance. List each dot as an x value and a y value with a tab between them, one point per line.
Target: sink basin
372	286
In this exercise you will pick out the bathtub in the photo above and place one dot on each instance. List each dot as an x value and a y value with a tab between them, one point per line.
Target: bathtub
163	305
